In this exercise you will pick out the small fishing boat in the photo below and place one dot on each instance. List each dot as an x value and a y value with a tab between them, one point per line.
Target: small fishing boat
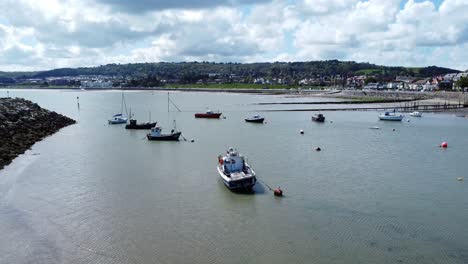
134	125
156	134
416	114
117	119
388	116
235	172
208	114
255	119
318	118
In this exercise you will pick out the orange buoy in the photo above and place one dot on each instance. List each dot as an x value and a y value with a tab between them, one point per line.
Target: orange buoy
278	192
444	144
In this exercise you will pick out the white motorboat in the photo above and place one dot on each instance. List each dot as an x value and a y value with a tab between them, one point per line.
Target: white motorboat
388	116
416	114
235	172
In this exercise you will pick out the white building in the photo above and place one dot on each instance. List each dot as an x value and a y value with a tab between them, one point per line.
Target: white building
96	84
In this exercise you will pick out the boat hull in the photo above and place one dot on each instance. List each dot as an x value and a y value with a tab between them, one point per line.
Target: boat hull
246	183
165	137
119	121
140	126
318	119
259	120
205	115
391	118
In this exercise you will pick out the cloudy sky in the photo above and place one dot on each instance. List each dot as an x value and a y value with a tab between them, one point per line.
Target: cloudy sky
39	35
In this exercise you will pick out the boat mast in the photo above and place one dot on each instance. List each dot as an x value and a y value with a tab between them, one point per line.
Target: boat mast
170	101
123	104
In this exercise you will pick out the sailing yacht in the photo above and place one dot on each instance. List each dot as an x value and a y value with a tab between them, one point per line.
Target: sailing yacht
119	118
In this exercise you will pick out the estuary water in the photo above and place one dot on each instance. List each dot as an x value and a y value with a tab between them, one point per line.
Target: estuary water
97	193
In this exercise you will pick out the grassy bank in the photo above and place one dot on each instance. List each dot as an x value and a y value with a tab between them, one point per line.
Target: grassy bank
235	86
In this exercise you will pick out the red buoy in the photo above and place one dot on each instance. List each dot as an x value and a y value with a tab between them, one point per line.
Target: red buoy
278	192
444	144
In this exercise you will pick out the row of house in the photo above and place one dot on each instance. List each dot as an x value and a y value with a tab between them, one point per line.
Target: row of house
445	82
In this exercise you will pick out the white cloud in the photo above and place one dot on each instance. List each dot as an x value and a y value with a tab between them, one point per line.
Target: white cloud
52	33
379	32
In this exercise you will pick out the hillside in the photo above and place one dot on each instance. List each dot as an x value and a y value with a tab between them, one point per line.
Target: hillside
194	70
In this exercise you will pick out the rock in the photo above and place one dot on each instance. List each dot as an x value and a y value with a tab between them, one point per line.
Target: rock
22	123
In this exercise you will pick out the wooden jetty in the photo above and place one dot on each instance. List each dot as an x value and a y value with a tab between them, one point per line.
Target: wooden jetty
407	107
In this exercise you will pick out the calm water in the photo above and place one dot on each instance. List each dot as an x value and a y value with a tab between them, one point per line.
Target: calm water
95	193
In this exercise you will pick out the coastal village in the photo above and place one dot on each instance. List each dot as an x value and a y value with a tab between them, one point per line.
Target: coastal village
447	82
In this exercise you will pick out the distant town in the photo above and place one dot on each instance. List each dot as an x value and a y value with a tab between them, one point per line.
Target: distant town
307	75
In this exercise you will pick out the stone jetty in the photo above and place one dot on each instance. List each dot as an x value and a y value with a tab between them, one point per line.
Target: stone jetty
23	123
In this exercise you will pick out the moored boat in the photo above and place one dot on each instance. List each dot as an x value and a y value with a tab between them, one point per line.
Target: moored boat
318	118
117	119
235	172
156	134
134	125
255	119
208	114
388	116
416	114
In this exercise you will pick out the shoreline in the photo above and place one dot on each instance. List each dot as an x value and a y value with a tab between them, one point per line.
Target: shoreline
326	92
349	96
23	123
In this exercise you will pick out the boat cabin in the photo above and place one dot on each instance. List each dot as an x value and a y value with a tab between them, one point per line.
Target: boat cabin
233	162
156	131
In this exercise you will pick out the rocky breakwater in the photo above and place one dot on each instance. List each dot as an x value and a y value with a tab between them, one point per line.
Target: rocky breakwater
23	123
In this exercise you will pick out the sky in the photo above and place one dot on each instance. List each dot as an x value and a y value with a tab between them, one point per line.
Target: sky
48	34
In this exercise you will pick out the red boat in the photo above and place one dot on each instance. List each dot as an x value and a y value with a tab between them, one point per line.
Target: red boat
208	114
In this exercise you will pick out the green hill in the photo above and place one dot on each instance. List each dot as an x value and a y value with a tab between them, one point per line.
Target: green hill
189	71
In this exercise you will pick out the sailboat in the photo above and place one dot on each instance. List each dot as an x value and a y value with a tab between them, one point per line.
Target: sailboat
119	118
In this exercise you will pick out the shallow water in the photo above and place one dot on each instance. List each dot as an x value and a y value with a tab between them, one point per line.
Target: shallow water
96	193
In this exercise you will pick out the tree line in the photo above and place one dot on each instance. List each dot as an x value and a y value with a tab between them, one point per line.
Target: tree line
190	72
